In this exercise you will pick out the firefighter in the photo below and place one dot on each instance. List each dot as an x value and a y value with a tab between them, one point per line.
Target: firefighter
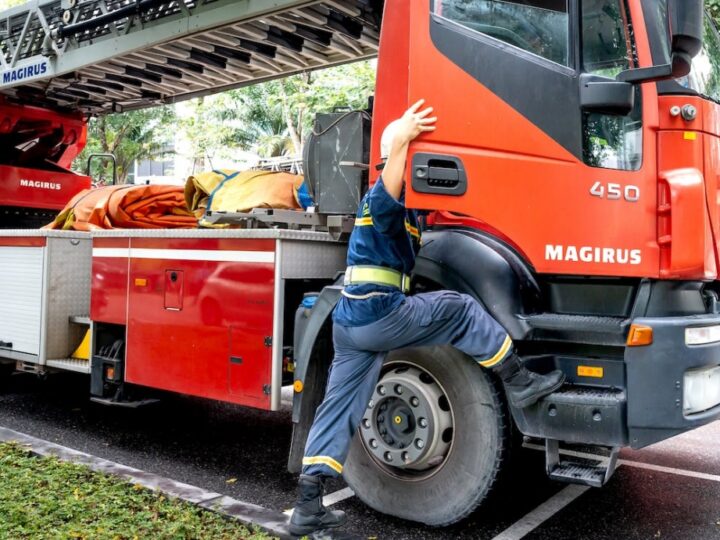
374	316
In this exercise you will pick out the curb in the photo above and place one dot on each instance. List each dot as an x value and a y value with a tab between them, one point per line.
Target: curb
275	523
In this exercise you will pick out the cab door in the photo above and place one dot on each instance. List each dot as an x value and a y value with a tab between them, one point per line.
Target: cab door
513	147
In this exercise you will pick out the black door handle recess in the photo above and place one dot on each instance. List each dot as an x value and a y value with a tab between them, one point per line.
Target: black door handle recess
5	345
433	173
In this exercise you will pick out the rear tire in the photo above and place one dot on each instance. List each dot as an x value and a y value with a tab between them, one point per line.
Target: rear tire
444	493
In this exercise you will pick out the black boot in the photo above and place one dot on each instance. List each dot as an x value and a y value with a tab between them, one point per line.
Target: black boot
309	514
524	387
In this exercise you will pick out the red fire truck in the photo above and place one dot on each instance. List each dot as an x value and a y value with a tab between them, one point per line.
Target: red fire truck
572	185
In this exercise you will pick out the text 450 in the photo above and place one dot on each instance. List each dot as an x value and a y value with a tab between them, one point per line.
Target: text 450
615	192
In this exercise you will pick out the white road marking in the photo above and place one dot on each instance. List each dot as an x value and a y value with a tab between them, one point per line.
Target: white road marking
542	513
560	500
635	464
331	498
336	497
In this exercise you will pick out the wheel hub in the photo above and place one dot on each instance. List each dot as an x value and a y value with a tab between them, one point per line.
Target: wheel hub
408	422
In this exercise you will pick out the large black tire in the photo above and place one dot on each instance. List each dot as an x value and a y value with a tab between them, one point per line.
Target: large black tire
480	438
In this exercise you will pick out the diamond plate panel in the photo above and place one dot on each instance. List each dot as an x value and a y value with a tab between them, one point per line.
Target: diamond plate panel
69	262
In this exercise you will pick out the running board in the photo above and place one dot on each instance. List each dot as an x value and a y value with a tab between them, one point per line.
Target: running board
124	404
579	470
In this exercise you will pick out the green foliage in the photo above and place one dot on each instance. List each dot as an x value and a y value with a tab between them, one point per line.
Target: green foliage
713	7
5	4
135	135
272	118
44	498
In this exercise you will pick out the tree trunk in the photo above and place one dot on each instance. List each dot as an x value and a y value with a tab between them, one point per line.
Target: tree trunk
287	114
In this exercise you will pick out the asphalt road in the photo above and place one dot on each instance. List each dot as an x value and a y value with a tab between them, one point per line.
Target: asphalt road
669	491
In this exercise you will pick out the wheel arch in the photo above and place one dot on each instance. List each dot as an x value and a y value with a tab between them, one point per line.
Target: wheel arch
477	264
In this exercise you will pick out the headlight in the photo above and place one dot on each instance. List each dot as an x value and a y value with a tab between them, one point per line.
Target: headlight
701	390
702	335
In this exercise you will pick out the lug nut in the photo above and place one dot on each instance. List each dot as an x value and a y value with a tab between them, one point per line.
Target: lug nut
405	457
381	390
371	404
373	443
414	401
422	423
420	444
388	456
398	389
366	423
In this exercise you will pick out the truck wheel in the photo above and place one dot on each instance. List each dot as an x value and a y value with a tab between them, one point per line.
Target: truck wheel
433	438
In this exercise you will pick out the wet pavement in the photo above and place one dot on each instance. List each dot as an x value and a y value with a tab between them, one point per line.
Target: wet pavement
670	490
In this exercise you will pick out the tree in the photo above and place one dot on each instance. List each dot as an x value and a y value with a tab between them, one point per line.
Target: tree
296	100
270	119
273	118
131	136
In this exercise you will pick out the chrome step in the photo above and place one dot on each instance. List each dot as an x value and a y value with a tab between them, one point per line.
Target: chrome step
587	472
69	364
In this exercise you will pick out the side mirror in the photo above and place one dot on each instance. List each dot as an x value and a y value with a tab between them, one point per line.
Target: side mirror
606	96
686	26
685	19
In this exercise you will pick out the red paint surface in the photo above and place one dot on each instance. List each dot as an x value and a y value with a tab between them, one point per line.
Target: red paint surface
15	118
521	183
181	335
108	298
391	91
66	132
221	244
61	187
29	241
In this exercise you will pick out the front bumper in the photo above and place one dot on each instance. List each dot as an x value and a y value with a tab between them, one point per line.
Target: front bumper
656	380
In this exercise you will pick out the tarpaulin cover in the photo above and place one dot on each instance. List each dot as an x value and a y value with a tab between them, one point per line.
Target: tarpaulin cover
241	191
126	207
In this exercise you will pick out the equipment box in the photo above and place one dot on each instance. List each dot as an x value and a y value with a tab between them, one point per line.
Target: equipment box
44	281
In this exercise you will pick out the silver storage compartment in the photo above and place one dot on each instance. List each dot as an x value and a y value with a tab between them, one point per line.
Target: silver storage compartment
44	280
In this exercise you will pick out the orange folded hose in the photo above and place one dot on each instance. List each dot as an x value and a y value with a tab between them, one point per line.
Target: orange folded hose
126	207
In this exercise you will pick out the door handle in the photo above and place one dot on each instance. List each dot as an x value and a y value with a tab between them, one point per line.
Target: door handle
433	173
5	345
444	176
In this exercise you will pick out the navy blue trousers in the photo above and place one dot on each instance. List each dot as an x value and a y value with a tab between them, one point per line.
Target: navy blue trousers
437	318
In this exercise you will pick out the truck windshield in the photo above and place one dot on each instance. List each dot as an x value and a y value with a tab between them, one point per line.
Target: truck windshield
704	77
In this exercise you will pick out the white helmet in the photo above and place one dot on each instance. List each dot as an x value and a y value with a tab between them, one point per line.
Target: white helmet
387	138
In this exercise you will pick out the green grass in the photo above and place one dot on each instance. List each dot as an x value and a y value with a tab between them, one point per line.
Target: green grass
45	498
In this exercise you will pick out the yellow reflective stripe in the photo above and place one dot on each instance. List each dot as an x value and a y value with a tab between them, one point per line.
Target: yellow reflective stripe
323	460
361	222
500	356
412	230
376	274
